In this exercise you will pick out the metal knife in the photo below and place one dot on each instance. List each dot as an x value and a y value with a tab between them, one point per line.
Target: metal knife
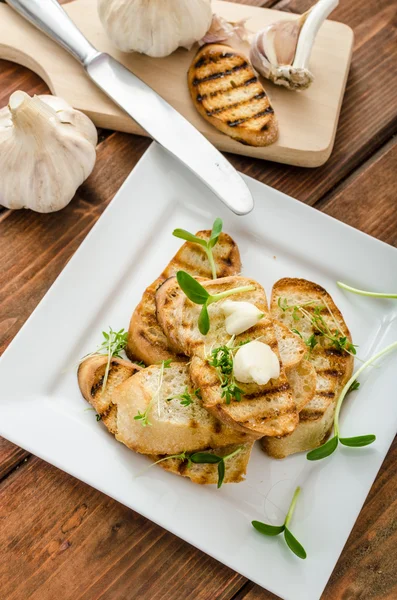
162	122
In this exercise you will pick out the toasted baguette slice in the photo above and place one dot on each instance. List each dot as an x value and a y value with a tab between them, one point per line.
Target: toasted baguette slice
303	382
227	93
236	466
146	340
90	378
300	373
177	428
264	410
333	367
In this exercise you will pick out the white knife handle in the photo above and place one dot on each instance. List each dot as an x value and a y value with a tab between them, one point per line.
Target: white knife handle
50	17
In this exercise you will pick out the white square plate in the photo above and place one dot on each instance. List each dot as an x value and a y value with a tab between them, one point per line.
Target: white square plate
43	411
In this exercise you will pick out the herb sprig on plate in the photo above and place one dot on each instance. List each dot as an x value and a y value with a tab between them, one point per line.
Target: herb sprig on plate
221	359
201	458
337	338
186	397
143	417
348	288
207	245
358	441
199	295
113	344
273	530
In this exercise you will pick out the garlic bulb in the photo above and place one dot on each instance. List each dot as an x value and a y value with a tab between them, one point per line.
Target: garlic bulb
155	27
47	150
281	51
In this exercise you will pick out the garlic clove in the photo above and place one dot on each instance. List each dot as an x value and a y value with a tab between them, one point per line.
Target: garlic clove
155	27
47	149
240	316
281	52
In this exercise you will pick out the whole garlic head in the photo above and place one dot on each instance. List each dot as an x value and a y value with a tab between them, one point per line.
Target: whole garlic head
47	150
155	27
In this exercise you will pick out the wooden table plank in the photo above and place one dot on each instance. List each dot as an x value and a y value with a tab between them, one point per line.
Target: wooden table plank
63	539
367	200
10	457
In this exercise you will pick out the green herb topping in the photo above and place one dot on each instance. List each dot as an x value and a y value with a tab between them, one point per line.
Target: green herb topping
273	530
114	342
202	458
199	295
144	416
364	293
222	360
207	245
357	441
334	335
186	398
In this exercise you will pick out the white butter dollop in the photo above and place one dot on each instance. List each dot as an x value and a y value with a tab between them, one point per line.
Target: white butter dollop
240	316
256	362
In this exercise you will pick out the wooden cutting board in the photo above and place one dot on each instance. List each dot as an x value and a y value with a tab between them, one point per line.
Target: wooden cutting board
307	120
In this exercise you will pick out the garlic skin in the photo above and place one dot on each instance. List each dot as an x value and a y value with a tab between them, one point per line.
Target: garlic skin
155	27
256	362
240	316
281	52
47	150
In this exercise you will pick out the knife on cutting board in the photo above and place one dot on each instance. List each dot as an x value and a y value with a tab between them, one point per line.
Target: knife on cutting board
161	121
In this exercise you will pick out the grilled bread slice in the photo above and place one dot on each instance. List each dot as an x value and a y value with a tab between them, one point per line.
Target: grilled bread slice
333	366
236	466
174	427
263	410
227	93
146	340
90	378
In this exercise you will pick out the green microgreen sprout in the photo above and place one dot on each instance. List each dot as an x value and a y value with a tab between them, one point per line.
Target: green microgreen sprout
186	398
200	458
273	530
207	245
335	336
221	359
363	292
209	458
114	342
143	417
199	295
358	441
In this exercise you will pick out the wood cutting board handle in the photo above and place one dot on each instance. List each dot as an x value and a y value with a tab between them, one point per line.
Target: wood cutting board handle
51	19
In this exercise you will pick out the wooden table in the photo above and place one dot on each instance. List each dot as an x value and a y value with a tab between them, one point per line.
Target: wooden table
59	538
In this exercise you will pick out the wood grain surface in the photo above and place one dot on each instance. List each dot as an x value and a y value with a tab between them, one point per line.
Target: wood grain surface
59	538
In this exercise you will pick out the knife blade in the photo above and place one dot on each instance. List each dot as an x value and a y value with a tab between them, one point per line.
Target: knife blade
161	121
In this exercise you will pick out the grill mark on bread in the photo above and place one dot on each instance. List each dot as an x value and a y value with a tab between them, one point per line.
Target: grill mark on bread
220	74
214	58
325	394
330	372
265	392
233	86
262	113
221	109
